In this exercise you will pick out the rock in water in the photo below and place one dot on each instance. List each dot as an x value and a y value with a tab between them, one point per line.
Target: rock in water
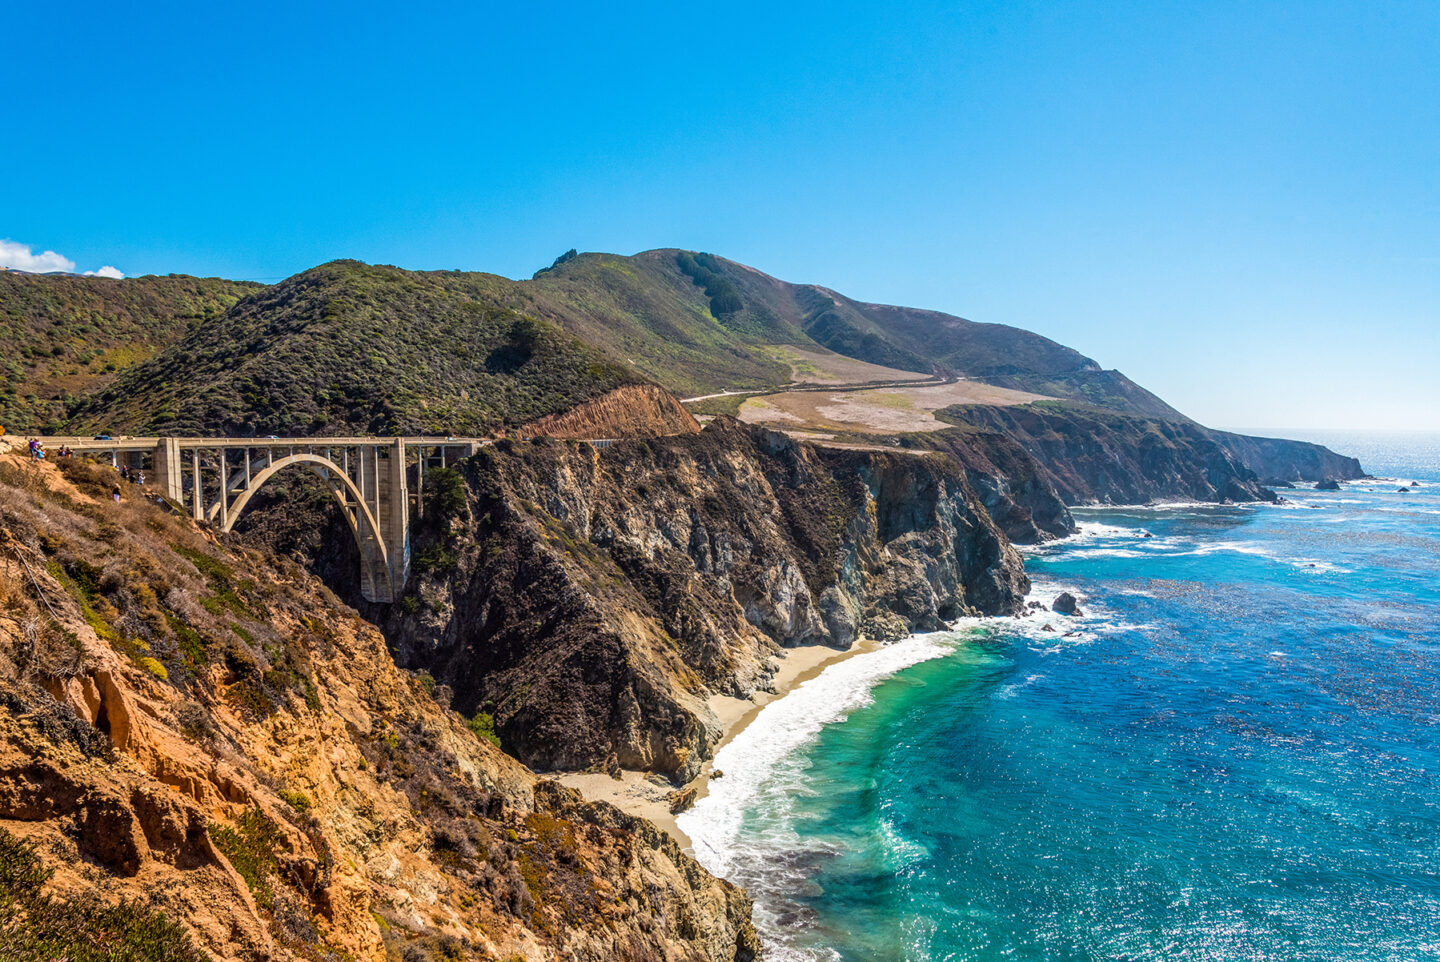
681	799
1066	604
1329	484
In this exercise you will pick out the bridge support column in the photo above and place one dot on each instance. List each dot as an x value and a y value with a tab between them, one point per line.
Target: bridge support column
197	487
169	472
224	492
393	503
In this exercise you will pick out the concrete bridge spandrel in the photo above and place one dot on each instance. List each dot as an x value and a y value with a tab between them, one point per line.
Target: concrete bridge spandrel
216	478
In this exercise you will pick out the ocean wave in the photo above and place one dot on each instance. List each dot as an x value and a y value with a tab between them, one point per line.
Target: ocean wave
1191	548
783	728
1105	553
1090	530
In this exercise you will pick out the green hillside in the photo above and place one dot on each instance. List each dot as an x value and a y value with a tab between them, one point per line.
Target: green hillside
347	347
65	336
659	311
352	347
648	312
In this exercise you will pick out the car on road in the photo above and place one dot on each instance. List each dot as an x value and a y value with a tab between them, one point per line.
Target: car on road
103	437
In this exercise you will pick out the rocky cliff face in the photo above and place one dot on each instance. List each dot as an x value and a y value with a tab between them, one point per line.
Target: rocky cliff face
1011	484
1090	456
1281	460
204	731
592	599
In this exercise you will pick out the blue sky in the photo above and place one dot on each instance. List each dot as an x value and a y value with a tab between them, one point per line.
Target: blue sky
1237	204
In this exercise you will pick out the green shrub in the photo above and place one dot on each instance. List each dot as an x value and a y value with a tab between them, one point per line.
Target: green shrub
444	493
483	725
705	270
250	847
153	667
35	926
296	800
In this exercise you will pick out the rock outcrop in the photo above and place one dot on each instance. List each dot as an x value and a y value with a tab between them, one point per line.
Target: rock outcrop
205	731
1065	604
1284	460
590	600
1095	456
1011	484
633	411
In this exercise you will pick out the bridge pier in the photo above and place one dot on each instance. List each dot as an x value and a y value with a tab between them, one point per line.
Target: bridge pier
169	472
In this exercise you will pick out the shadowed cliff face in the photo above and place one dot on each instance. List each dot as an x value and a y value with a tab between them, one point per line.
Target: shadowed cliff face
591	600
1100	457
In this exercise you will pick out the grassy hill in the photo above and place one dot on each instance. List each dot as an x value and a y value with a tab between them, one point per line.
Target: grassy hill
648	312
698	323
66	336
347	347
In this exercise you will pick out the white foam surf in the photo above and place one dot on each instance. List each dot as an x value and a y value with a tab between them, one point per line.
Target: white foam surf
783	728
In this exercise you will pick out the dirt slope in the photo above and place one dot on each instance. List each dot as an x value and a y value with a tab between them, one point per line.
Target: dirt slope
205	730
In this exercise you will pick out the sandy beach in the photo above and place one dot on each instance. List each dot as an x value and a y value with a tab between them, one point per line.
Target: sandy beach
646	795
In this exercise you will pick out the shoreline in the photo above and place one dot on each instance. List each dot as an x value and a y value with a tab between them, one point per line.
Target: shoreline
645	794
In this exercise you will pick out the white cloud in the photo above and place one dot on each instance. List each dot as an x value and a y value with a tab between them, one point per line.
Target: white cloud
20	257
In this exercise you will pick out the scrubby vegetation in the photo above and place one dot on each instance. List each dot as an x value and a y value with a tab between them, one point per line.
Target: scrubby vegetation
347	348
37	926
66	336
147	584
704	270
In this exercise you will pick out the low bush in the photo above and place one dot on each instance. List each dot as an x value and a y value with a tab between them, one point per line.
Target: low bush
36	926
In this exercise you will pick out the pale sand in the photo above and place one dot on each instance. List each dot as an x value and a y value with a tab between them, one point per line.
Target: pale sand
886	410
645	795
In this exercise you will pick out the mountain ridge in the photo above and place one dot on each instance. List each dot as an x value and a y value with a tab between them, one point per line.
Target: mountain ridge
347	346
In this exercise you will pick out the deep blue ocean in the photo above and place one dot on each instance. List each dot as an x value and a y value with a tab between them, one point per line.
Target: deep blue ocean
1234	753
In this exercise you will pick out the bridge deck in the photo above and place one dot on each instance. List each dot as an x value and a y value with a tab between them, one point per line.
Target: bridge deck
133	443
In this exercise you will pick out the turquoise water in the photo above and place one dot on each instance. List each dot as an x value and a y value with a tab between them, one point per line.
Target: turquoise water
1233	754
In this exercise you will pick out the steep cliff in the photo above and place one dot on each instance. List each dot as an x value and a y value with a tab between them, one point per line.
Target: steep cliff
1279	459
1092	456
1011	484
591	600
203	746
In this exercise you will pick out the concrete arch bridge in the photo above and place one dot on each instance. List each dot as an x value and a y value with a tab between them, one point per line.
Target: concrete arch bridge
215	479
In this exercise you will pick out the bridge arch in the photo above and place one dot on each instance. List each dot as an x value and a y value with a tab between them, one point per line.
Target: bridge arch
375	567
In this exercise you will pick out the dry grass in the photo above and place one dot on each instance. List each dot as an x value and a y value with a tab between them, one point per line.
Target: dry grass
821	367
